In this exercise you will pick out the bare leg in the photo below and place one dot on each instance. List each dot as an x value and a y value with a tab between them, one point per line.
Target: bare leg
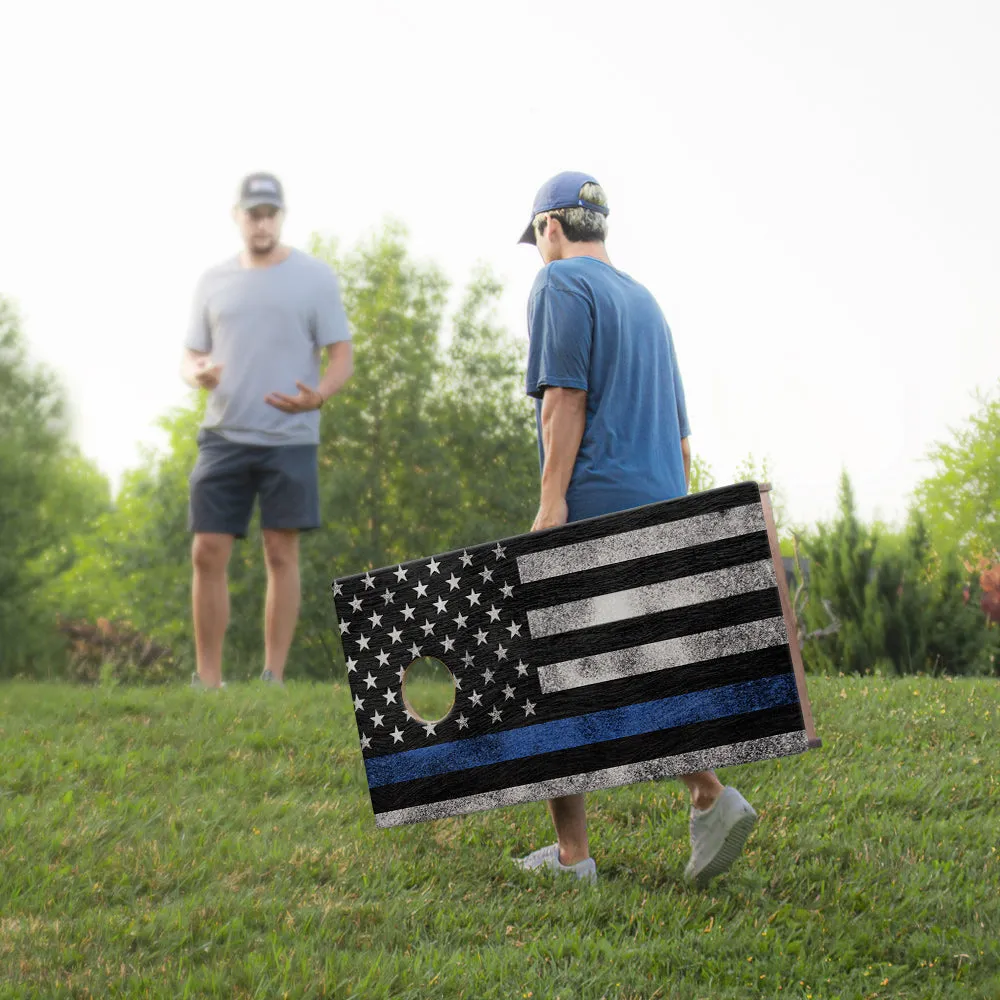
569	815
704	787
281	615
210	602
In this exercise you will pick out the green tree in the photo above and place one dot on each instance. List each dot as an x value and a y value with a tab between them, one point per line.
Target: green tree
961	499
51	495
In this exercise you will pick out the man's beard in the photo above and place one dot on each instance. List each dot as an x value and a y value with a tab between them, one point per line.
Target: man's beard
257	250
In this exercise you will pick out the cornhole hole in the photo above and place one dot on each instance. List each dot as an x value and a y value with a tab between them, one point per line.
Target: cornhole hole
631	647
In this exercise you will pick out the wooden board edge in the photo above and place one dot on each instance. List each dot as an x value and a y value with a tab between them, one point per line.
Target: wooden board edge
789	615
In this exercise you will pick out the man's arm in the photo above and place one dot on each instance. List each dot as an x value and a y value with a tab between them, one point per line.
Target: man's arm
339	368
564	418
686	452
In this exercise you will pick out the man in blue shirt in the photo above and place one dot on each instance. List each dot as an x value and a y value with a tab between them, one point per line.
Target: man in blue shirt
612	434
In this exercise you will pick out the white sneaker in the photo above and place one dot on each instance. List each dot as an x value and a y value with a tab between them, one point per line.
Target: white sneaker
548	857
718	835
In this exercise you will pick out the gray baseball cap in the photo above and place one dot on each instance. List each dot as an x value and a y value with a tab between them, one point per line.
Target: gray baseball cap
261	189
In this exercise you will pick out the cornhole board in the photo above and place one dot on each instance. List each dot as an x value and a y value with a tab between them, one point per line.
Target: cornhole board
630	647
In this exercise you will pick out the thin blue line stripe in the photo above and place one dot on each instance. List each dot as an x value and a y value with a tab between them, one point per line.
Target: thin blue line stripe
582	730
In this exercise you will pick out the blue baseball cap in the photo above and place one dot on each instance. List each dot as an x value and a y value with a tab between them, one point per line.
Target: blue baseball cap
561	191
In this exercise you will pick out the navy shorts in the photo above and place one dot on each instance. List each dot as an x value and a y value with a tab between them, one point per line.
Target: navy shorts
229	477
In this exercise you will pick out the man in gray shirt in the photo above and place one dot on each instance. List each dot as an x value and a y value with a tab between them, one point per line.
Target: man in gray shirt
259	324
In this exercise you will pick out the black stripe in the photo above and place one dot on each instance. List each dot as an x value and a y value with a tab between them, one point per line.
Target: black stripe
718	672
579	760
679	509
655	627
703	558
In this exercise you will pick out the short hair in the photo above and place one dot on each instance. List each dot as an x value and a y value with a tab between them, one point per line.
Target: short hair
580	224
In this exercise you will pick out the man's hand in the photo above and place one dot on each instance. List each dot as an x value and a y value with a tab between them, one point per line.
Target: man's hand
207	373
304	400
551	514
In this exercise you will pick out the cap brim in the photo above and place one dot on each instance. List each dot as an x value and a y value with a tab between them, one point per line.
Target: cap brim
265	200
528	236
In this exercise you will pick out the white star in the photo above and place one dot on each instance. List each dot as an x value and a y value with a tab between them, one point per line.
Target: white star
499	551
415	650
429	728
529	708
400	574
362	642
370	681
480	637
388	597
356	604
351	664
337	589
487	575
377	719
495	714
476	698
383	658
397	735
501	653
488	675
432	566
401	673
369	581
466	559
453	582
421	589
408	613
508	590
493	613
460	621
462	721
395	636
456	682
390	697
514	629
522	668
473	598
428	627
376	620
344	627
508	693
468	659
449	644
358	703
441	606
366	742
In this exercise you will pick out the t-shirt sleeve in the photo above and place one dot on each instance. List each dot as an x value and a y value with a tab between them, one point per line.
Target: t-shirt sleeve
199	332
330	324
560	331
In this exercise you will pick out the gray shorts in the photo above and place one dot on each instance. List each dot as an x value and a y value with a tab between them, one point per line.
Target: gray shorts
228	477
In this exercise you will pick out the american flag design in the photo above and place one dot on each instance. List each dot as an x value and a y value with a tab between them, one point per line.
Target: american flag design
630	647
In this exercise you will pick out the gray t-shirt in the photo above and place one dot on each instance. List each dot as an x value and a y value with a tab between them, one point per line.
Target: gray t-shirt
267	327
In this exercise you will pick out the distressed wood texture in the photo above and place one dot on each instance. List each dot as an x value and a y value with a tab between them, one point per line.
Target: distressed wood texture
632	647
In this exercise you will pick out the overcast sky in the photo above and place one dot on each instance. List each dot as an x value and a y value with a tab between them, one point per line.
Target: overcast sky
810	190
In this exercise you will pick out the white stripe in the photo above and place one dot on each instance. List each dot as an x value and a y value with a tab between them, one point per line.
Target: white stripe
662	655
642	542
612	777
664	596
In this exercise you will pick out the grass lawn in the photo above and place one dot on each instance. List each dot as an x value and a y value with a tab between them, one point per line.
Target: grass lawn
175	843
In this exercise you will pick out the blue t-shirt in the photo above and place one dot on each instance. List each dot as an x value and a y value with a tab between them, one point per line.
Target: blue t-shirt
592	327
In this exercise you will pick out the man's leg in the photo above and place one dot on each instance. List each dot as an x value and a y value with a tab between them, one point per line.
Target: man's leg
569	816
287	479
281	613
210	602
704	787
